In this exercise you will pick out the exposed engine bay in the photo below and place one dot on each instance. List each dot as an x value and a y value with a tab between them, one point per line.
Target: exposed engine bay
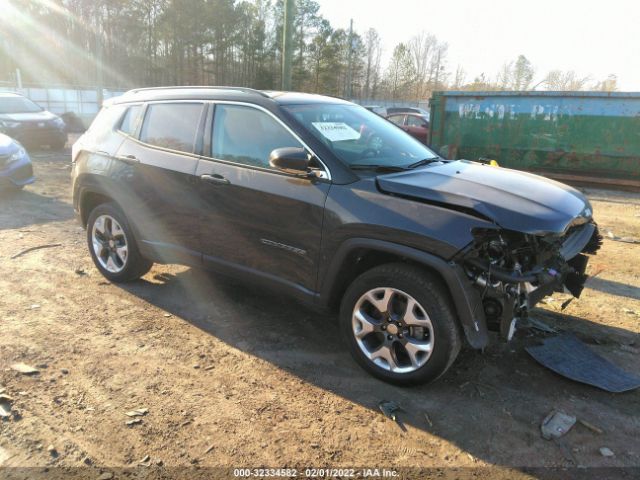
514	270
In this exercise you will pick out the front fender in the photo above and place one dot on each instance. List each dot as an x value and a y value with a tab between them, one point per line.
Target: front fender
466	299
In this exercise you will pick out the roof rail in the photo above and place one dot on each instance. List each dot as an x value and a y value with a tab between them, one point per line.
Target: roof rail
201	87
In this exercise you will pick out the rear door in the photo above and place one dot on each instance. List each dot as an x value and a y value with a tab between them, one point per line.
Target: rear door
258	220
157	162
417	127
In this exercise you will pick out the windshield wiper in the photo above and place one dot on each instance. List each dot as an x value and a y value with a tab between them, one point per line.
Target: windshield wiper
426	161
377	168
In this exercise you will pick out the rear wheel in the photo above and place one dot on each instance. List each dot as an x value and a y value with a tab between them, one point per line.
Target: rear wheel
400	325
58	145
112	245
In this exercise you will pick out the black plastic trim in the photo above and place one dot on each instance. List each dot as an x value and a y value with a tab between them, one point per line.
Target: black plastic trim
466	298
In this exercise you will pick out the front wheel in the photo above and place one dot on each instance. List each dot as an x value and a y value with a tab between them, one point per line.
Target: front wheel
112	245
58	144
400	325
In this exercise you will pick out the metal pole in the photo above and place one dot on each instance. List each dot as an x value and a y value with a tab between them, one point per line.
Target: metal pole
18	78
287	51
437	72
99	79
350	62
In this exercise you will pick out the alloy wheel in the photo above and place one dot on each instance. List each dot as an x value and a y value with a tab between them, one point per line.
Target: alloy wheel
393	330
109	243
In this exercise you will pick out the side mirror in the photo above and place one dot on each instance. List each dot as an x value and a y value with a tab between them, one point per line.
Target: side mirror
291	160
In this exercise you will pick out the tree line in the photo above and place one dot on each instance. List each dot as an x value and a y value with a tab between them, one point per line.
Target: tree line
133	43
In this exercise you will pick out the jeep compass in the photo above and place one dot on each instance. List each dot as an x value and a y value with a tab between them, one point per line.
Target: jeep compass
323	200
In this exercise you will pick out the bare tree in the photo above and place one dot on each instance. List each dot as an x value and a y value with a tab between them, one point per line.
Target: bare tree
438	75
559	80
459	78
505	76
610	84
401	73
124	43
372	68
422	49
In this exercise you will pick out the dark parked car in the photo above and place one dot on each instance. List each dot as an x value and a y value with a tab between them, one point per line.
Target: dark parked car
15	165
30	124
328	202
415	124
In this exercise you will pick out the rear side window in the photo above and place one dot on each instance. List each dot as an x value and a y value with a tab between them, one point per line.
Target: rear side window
397	119
247	135
416	122
131	120
106	120
172	125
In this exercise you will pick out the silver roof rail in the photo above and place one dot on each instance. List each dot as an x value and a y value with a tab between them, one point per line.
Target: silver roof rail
201	87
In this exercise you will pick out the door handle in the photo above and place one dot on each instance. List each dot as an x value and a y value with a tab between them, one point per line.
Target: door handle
214	179
129	159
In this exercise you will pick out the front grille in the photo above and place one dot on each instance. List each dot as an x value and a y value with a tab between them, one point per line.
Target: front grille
42	125
37	136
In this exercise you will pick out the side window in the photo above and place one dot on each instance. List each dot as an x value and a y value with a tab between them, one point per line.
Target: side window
107	119
247	135
131	120
416	122
397	119
172	125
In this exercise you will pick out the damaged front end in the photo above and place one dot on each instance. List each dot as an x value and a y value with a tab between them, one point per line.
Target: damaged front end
513	271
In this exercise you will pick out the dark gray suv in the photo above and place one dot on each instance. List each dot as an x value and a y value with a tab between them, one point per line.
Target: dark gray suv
328	202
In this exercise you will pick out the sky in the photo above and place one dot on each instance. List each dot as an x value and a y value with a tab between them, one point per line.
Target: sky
594	38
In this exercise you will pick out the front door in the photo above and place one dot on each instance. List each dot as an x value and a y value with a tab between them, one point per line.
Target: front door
258	220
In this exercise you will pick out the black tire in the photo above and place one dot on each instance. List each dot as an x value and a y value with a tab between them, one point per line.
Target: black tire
58	145
432	298
135	265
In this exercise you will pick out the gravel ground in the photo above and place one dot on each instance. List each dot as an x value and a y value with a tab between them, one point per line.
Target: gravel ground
229	376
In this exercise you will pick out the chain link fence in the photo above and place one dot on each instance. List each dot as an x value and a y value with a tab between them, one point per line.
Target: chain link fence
81	101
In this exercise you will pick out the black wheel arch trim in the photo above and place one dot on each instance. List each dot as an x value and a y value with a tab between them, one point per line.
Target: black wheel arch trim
467	300
98	189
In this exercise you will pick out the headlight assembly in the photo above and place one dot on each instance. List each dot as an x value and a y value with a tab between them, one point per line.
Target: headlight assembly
6	124
18	155
58	122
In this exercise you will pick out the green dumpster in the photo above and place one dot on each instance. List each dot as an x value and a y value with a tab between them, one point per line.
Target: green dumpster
591	137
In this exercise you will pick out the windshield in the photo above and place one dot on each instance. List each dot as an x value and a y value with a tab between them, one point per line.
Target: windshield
18	105
359	137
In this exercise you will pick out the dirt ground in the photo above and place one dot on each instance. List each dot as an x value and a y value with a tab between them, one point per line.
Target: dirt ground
236	377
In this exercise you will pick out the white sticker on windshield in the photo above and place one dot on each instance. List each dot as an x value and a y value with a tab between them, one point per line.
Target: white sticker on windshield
336	131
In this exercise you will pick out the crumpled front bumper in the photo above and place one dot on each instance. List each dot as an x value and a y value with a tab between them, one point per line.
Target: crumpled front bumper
18	173
508	295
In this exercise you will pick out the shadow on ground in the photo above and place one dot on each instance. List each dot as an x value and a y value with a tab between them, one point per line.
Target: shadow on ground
614	288
39	209
482	395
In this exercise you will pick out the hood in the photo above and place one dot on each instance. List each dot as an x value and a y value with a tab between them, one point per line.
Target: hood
7	145
28	116
514	200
